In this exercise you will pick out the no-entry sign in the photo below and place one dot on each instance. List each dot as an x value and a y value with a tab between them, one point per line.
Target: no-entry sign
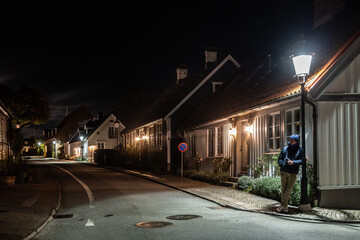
182	147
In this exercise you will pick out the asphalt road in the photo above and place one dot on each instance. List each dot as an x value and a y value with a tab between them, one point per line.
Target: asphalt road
102	204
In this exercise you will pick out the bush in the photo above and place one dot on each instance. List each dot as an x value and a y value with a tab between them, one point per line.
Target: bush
271	188
206	177
245	183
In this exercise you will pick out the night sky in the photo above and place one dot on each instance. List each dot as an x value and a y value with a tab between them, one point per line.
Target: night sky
98	56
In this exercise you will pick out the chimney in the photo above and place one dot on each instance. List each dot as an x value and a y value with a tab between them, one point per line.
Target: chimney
210	57
325	10
181	73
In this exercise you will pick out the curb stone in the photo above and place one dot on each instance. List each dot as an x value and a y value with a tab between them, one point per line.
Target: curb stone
53	212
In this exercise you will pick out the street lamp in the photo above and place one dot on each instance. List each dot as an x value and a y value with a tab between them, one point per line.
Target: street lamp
116	125
54	142
81	146
302	68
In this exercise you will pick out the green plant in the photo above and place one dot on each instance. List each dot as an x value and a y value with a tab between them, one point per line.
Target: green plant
206	176
221	164
267	165
245	183
271	188
198	160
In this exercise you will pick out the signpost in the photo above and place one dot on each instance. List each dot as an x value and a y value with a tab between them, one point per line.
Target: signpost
182	148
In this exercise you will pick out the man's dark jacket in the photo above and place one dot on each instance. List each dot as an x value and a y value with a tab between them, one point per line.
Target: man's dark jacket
294	153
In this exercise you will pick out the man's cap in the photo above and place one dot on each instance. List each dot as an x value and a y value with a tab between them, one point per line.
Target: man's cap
295	137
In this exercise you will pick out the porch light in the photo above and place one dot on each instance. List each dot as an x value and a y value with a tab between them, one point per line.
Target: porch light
18	125
249	129
137	139
81	138
232	132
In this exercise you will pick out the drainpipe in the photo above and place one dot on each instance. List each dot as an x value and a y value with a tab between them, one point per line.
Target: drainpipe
314	147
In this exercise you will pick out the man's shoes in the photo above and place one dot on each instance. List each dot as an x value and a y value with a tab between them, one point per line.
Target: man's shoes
283	209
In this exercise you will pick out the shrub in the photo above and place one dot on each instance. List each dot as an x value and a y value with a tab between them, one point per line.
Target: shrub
271	188
206	177
245	183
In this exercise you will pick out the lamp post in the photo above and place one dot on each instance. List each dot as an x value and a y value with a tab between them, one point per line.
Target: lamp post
54	142
81	146
302	68
116	125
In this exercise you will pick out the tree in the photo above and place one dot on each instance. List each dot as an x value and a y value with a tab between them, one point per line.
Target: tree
28	105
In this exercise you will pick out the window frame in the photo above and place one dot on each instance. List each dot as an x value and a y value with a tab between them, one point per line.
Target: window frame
273	137
293	128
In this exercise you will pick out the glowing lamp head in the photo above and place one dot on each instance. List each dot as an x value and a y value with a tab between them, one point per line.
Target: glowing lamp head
302	65
232	132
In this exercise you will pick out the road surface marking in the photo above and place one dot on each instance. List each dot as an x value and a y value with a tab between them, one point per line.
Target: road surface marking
87	189
90	223
30	201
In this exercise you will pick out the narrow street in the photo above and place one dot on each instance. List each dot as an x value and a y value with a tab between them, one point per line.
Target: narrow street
101	204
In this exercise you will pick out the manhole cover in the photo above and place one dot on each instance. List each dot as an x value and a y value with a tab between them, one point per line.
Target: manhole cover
183	217
153	224
63	215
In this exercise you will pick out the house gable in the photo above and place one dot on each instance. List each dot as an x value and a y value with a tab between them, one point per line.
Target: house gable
340	74
209	76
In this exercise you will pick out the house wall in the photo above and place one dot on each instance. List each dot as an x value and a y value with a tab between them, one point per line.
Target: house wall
201	138
259	144
3	137
101	134
338	141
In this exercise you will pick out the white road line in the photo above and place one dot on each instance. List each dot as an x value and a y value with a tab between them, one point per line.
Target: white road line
87	189
90	223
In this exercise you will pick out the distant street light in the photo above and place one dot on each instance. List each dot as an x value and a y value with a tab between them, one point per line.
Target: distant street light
302	68
81	146
54	142
116	125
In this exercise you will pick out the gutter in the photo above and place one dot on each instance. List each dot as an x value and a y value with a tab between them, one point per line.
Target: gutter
314	116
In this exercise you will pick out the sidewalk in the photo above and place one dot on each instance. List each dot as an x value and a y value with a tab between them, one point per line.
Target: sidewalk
228	197
28	206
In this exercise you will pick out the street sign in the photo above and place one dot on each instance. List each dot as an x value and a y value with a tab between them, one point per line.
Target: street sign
182	147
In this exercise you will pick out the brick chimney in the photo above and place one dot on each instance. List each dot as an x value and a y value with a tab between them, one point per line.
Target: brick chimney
210	57
181	73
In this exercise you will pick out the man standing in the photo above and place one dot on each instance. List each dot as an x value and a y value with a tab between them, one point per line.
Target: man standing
290	159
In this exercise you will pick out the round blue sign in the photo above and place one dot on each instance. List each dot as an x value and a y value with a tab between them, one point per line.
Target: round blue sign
182	147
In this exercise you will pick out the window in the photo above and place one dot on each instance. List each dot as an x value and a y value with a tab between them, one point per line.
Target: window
192	148
292	122
151	138
274	131
159	133
211	142
220	144
112	133
101	145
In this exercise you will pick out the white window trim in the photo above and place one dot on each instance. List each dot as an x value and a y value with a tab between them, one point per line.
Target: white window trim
273	125
292	121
